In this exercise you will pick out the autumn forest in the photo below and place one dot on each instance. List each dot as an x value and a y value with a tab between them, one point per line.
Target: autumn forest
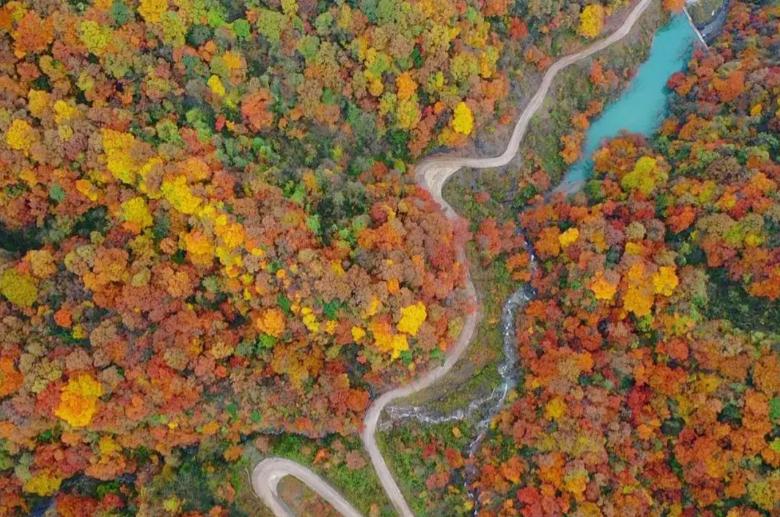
214	248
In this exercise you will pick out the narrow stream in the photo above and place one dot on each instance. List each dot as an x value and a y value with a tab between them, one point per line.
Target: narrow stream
640	109
484	407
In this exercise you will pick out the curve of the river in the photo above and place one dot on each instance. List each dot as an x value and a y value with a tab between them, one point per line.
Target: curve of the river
431	174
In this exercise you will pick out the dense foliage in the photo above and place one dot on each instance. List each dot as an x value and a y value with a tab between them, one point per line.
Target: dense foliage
651	364
209	230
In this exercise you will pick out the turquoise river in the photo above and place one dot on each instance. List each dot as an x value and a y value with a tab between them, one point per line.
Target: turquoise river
642	106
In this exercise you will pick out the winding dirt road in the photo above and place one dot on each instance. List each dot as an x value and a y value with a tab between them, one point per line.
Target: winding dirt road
431	174
268	473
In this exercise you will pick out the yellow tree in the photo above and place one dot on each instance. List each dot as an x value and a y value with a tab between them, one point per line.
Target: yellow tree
463	119
592	21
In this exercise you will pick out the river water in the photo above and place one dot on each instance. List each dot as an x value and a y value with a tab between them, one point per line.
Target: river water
640	109
642	106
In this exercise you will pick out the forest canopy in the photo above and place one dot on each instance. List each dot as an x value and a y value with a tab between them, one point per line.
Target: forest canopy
209	229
